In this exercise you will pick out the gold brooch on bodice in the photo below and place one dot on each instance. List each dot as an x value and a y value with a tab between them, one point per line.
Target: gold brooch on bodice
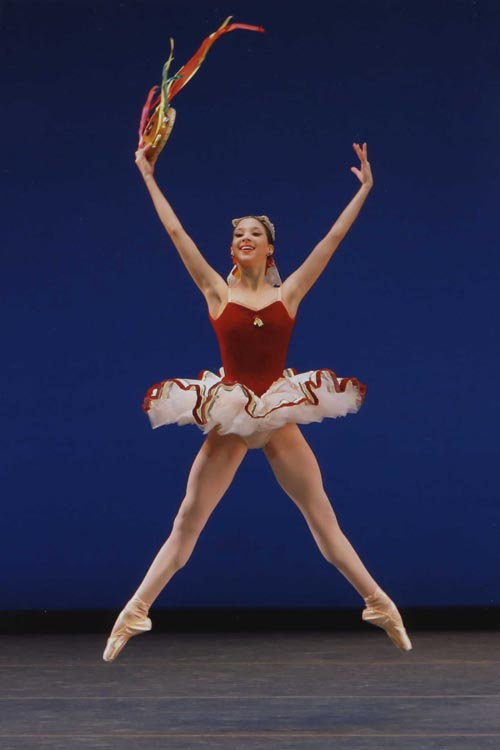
258	322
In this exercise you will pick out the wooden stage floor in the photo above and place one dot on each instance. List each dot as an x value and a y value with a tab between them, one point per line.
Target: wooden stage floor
252	691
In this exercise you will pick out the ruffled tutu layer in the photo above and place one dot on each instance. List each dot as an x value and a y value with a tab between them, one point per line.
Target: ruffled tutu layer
210	402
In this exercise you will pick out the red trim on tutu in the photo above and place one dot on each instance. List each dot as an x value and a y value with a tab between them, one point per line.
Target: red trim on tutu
205	397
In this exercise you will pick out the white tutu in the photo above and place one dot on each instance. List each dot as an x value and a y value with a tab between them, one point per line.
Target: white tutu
208	402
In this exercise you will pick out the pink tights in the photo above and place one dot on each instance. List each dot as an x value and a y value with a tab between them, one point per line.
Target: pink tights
296	470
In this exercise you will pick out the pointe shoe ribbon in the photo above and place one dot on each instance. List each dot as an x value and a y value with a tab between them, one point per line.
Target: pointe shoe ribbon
131	621
382	612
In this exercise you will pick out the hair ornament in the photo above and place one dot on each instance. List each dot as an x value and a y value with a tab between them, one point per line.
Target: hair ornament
263	220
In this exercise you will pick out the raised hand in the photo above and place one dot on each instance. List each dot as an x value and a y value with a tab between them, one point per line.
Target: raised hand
145	161
364	173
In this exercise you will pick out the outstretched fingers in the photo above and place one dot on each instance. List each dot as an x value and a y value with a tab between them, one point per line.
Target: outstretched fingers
361	151
363	173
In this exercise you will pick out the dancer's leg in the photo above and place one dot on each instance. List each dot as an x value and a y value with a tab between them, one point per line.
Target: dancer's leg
297	471
211	474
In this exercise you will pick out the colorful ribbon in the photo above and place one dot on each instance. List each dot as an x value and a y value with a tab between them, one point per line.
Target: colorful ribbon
170	87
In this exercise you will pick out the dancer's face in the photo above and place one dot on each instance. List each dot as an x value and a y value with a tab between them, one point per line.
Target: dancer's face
250	243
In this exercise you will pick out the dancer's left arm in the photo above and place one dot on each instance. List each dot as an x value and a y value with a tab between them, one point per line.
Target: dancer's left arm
298	283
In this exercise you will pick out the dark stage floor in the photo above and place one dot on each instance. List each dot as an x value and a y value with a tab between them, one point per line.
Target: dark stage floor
264	691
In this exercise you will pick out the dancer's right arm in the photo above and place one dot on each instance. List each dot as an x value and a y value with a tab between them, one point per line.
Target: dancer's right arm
211	284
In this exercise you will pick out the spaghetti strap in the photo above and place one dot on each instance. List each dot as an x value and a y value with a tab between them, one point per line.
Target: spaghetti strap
229	294
278	298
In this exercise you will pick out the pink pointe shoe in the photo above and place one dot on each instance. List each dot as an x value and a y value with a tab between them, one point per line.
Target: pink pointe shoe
131	621
381	611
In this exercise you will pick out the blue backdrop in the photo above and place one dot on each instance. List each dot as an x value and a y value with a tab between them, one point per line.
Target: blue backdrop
96	306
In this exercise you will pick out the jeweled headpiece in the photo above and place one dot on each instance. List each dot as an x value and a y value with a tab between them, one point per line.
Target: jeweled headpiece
263	220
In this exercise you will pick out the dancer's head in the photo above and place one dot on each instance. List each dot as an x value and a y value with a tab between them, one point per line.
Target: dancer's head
254	231
253	244
264	220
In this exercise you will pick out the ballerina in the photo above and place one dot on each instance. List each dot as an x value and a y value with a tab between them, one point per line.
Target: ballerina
254	402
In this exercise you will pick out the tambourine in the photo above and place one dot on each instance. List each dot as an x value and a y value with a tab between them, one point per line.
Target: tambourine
158	117
157	131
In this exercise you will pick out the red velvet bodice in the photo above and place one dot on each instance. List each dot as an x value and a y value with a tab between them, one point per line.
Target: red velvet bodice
253	343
